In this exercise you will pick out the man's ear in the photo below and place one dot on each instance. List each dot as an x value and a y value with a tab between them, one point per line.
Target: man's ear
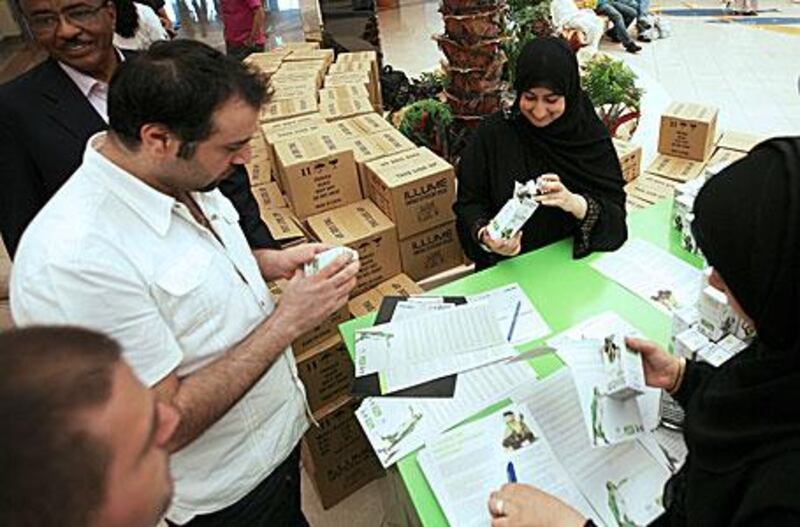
157	140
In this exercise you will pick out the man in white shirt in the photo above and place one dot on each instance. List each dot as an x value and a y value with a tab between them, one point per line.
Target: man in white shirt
129	246
84	442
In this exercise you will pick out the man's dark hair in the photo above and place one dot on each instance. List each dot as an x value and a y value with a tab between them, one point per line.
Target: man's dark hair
178	84
127	21
53	471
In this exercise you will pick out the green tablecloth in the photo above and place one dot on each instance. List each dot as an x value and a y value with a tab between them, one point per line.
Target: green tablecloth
565	292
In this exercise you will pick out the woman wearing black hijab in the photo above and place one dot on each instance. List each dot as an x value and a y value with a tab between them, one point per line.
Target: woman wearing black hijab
742	423
552	131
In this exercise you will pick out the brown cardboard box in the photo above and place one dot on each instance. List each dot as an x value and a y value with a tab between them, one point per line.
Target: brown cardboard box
416	189
371	123
431	252
267	63
283	226
363	227
688	131
338	109
721	159
320	334
268	196
289	67
345	91
362	78
651	188
259	168
287	108
633	203
675	168
372	58
285	130
346	129
365	303
362	65
305	55
739	141
368	148
326	371
318	172
296	78
290	47
337	456
630	158
293	91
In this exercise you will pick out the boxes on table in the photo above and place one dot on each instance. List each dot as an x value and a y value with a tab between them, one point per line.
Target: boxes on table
268	196
337	455
337	109
688	343
288	108
369	148
318	335
370	57
318	173
431	252
650	188
343	65
284	227
326	371
345	91
371	123
361	78
400	285
363	227
293	91
688	131
259	167
311	55
267	63
288	129
623	368
316	67
630	158
675	168
296	78
717	319
739	141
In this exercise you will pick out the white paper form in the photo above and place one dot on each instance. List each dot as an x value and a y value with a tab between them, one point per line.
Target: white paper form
672	446
623	482
397	426
652	273
466	464
588	367
408	310
518	319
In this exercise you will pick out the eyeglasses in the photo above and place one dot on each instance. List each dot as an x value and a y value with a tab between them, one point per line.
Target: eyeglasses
81	16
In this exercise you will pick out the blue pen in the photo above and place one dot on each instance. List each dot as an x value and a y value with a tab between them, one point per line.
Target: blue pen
512	474
514	321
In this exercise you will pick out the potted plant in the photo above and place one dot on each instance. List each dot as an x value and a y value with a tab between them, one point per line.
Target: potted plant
427	123
611	86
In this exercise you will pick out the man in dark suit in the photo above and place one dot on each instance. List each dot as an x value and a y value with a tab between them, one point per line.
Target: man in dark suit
48	114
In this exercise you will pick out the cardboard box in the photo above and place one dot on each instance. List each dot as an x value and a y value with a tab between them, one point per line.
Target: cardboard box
650	188
431	252
337	456
739	141
345	91
296	77
371	124
363	227
283	226
305	66
372	58
318	172
288	108
317	336
268	196
314	55
326	371
675	168
366	66
400	285
259	168
337	109
688	131
369	148
293	91
268	65
416	189
285	130
289	47
362	78
721	160
630	158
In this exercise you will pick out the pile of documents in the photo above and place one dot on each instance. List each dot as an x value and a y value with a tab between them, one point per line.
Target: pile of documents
435	361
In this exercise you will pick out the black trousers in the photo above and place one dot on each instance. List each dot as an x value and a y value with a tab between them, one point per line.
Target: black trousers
275	502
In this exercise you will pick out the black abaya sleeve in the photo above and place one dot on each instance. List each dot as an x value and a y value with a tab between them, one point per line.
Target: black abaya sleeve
693	377
473	207
604	228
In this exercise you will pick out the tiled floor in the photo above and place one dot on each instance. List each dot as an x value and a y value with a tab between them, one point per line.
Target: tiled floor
751	74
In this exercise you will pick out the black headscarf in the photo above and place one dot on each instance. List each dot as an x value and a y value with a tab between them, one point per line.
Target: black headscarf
576	146
747	223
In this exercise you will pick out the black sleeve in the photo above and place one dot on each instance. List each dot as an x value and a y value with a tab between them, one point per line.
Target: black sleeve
237	189
693	376
473	207
22	196
770	498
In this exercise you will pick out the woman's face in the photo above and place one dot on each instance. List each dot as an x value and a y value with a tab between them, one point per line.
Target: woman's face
716	281
541	106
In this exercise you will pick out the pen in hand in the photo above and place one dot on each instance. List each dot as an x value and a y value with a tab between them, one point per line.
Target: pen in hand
511	472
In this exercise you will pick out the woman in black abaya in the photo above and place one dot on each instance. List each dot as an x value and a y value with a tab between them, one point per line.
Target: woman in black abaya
552	133
742	423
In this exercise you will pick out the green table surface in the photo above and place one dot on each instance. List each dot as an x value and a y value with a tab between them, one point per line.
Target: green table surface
565	291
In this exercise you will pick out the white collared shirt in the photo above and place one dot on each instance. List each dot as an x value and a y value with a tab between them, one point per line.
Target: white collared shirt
96	91
111	253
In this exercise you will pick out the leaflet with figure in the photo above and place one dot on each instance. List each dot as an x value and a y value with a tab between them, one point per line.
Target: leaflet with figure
607	420
652	273
465	464
397	426
623	483
421	349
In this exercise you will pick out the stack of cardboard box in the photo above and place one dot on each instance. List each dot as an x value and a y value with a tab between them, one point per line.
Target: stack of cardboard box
630	159
359	62
686	141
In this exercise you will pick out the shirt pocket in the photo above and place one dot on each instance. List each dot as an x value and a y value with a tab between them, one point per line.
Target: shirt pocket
184	293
